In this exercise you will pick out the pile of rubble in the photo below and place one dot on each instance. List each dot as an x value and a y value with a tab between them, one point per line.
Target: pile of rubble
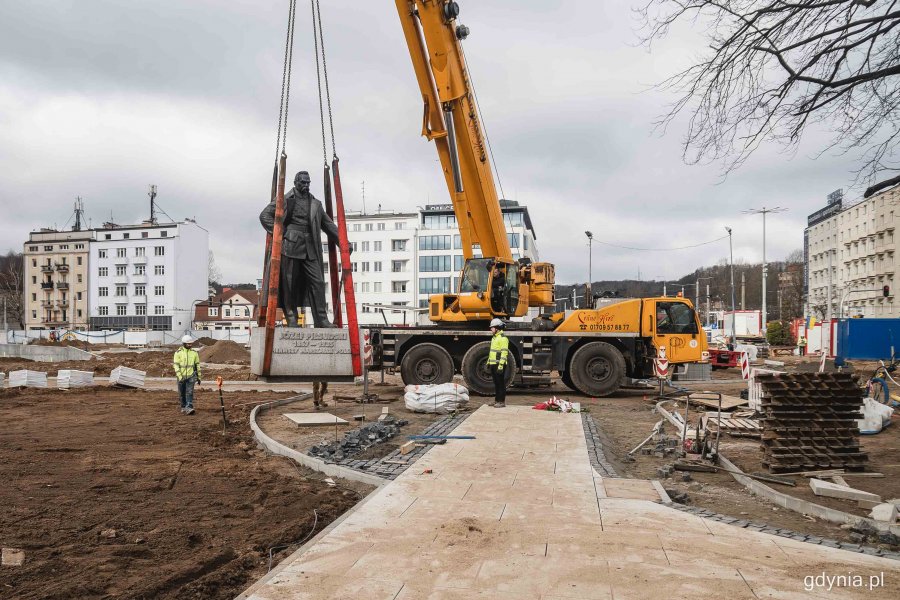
360	439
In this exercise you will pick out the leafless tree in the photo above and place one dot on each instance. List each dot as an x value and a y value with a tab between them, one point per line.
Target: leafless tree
214	274
775	67
12	288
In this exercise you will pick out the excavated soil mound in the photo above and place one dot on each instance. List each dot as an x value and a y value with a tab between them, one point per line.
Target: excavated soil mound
206	341
225	352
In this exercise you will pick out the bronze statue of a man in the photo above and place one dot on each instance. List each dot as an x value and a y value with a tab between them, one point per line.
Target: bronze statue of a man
301	280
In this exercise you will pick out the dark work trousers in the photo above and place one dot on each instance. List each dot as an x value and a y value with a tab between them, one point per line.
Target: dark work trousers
302	278
186	392
499	384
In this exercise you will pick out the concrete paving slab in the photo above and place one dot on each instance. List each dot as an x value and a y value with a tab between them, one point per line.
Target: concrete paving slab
508	515
312	419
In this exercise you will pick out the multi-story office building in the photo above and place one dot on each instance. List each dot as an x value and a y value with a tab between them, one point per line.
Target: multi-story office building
56	279
850	251
147	275
400	259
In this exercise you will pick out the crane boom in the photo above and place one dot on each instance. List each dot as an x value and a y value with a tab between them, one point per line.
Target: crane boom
451	120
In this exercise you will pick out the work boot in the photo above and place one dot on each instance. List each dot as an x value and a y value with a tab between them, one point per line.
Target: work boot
499	405
189	410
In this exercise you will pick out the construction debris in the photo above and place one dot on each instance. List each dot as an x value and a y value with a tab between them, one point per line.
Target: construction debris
441	399
26	378
809	422
884	512
833	490
358	440
12	557
125	377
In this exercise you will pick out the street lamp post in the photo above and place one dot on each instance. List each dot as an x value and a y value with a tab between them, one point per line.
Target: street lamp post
590	237
765	267
731	264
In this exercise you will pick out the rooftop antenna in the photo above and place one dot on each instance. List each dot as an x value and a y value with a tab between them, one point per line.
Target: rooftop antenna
79	213
152	194
364	195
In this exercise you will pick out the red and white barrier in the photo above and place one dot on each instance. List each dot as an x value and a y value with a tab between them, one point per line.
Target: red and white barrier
661	364
745	365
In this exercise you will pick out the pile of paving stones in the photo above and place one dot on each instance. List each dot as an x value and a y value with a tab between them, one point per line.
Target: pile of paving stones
360	439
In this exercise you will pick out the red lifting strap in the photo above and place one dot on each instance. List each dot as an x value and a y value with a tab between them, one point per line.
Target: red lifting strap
346	273
333	256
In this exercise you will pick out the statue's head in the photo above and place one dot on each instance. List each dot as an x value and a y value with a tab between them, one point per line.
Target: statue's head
302	181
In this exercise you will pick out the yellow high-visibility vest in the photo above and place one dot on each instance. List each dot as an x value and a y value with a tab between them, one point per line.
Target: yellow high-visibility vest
499	349
186	363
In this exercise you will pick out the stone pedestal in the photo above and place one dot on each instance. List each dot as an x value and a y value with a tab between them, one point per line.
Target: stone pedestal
303	353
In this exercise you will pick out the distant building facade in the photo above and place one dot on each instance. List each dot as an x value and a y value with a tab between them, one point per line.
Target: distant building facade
850	250
55	273
147	276
232	309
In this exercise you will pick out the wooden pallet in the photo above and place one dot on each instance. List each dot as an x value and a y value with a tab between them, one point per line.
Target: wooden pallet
733	425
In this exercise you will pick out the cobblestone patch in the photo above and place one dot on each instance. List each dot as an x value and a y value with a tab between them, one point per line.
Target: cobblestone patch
787	533
595	447
393	464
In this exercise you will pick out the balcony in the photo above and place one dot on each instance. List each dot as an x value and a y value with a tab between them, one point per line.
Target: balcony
62	267
53	321
62	285
46	303
138	278
120	260
46	268
62	303
139	260
47	285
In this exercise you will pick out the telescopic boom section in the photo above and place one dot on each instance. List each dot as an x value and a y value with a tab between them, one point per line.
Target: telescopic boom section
451	121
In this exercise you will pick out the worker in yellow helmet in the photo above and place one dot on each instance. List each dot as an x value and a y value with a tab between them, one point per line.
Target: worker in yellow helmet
497	359
187	372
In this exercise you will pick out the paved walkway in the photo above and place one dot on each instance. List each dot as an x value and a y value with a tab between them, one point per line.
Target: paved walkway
519	513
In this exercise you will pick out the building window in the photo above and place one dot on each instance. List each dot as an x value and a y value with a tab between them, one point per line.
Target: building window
434	285
125	236
121	290
78	295
365	246
399	225
398	245
227	312
434	264
32	248
121	309
140	309
79	246
34	297
398	266
368	227
101	253
48	248
103	311
139	251
34	279
104	291
159	270
457	242
356	227
121	252
78	260
365	287
376	287
159	251
380	228
64	247
34	314
439	221
365	267
377	266
144	234
246	311
140	290
377	246
159	310
159	290
353	246
398	287
120	270
163	234
458	262
140	269
213	311
434	242
513	239
33	262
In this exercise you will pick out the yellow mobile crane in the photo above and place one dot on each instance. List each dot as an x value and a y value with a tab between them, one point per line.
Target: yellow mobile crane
594	349
451	121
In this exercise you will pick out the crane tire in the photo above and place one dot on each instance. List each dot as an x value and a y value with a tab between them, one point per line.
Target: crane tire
597	369
426	364
475	371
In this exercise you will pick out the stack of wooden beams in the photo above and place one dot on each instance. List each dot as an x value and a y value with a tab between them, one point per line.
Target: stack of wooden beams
809	422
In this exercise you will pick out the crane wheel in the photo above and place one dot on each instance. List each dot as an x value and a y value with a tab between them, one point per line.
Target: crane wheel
426	364
566	377
476	373
597	369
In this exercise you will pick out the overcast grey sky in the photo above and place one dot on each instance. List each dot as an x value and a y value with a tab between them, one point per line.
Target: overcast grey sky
99	98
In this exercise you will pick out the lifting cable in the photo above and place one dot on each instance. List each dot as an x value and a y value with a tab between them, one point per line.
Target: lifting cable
480	113
283	105
322	74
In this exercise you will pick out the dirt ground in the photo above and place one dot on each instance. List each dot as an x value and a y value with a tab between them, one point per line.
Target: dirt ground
113	493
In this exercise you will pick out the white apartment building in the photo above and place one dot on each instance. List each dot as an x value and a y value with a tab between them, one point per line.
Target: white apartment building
55	277
851	251
147	275
400	259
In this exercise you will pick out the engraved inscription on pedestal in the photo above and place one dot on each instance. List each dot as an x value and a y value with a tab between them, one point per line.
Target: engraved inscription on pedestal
303	352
